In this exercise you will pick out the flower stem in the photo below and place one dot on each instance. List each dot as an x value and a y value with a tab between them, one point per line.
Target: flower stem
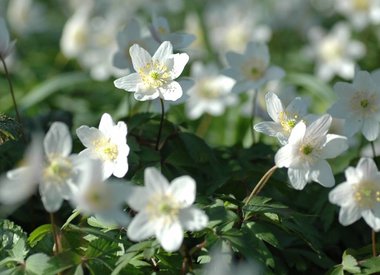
260	185
373	237
161	124
253	115
204	125
55	235
11	89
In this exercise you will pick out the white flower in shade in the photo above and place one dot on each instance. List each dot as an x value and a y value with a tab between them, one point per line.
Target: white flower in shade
360	13
155	75
53	173
359	105
165	210
105	200
211	92
359	195
306	153
19	184
108	144
131	34
335	53
251	70
161	32
6	46
284	119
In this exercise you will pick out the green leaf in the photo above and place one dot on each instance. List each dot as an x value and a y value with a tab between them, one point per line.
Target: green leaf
9	129
371	265
349	263
19	251
37	264
79	270
10	234
75	214
63	261
38	234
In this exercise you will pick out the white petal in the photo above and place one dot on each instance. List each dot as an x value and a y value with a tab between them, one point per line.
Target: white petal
352	175
128	83
363	81
269	128
297	178
58	140
172	91
155	181
88	135
367	167
163	52
193	219
143	94
170	236
297	133
349	214
242	86
340	109
274	73
319	128
297	107
140	57
140	227
371	220
344	89
106	124
370	129
234	59
183	189
321	172
352	125
274	106
334	146
138	198
50	196
179	62
108	168
284	156
342	194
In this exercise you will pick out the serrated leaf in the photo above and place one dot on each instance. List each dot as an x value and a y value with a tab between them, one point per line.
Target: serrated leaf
37	264
349	263
19	251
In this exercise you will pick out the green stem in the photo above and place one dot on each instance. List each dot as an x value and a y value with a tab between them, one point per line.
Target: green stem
373	237
254	115
204	125
55	235
161	124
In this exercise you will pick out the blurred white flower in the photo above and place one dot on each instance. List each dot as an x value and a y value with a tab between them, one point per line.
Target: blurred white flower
359	105
108	143
211	92
306	153
251	70
359	195
129	35
284	119
155	75
6	46
360	13
335	53
161	32
165	210
93	196
54	172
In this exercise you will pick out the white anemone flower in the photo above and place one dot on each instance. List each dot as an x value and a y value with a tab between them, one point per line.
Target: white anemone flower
359	195
284	119
306	153
161	32
165	210
155	75
108	144
54	172
252	69
211	92
359	105
103	199
6	46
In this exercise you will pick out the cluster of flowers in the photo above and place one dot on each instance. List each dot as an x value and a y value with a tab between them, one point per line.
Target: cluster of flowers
306	144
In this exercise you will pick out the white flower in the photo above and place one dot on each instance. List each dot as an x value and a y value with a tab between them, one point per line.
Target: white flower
251	70
360	12
131	34
165	210
335	53
211	92
161	32
359	195
306	151
284	120
93	196
155	75
54	173
108	144
6	46
359	105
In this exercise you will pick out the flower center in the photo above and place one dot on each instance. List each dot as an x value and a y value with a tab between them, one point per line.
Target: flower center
98	198
286	122
154	75
59	170
364	103
105	149
163	206
331	49
367	194
254	69
362	5
307	149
